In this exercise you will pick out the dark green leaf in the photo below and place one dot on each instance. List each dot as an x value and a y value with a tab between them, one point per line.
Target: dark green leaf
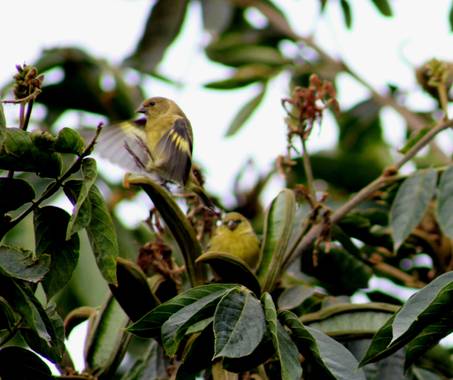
19	363
149	325
249	55
383	7
151	365
177	223
378	347
82	188
107	337
245	112
347	15
238	324
102	236
410	204
423	374
22	264
50	225
161	29
14	193
294	297
277	231
285	348
132	280
174	328
445	202
69	141
331	358
231	269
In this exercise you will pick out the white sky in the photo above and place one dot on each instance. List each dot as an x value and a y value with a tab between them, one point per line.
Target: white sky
381	50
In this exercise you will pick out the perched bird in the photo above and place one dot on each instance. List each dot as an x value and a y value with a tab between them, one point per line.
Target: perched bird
158	144
235	235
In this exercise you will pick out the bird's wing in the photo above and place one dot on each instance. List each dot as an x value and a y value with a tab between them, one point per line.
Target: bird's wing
124	144
173	152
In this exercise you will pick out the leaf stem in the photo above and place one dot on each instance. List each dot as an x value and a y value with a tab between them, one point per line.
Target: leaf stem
308	169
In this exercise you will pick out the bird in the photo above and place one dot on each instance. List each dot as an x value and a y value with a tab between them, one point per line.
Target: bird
235	235
158	144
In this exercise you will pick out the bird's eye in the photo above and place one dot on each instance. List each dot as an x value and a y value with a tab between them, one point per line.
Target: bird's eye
152	103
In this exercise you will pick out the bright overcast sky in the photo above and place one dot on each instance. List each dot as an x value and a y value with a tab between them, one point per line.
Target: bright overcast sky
381	50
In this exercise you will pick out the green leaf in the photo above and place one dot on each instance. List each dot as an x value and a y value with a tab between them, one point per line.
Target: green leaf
177	223
410	204
14	193
50	224
102	236
383	7
331	358
69	141
107	339
161	29
277	231
149	325
132	280
347	15
231	269
350	320
429	305
238	324
2	117
294	296
20	363
245	112
82	188
249	55
243	76
445	202
23	264
174	328
217	15
150	365
285	348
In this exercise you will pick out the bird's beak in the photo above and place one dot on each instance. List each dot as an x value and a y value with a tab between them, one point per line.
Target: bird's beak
141	109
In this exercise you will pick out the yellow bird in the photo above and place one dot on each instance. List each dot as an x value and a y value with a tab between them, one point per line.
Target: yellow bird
235	235
160	144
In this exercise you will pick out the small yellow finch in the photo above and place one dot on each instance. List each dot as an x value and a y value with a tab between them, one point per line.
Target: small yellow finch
160	143
235	235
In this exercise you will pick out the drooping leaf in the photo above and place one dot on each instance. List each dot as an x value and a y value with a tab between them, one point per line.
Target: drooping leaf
410	204
149	325
445	202
238	324
450	17
151	365
294	296
177	223
22	264
350	320
2	117
231	269
82	189
245	112
174	328
243	76
347	14
277	231
217	15
106	339
285	348
162	27
331	358
20	363
50	224
383	7
132	280
14	193
102	236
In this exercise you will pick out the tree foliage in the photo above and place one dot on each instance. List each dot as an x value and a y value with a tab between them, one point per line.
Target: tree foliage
172	310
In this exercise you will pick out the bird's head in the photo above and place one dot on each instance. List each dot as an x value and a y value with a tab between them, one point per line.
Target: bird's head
158	106
235	221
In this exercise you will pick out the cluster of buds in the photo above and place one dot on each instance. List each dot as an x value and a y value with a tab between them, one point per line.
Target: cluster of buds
308	104
27	83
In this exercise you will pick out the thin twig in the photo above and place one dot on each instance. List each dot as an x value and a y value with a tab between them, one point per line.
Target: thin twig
308	170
